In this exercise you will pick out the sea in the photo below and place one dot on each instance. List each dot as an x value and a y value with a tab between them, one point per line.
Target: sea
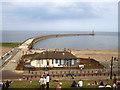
101	40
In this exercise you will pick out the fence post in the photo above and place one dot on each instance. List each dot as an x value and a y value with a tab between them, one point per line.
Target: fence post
92	74
104	74
92	71
27	78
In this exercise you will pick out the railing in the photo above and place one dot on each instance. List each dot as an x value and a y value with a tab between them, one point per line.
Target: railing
67	74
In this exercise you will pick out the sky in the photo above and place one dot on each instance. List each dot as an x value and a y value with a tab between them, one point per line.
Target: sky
70	15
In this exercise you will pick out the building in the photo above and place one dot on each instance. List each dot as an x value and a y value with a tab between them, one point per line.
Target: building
54	59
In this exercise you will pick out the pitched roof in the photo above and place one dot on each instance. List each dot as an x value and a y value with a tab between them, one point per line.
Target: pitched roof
54	55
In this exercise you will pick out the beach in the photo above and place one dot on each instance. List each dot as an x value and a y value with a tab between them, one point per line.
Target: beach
99	55
4	50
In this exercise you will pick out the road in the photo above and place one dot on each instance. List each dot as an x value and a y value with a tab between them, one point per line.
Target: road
8	57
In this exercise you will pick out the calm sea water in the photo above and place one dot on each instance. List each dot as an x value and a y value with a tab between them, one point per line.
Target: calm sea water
101	40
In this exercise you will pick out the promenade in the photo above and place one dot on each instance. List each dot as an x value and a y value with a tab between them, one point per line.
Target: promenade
16	54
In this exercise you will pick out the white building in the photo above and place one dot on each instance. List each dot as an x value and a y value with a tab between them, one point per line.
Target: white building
54	59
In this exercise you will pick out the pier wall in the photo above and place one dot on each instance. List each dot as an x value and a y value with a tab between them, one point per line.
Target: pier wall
36	39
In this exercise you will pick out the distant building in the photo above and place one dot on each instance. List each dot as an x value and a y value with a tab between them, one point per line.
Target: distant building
54	59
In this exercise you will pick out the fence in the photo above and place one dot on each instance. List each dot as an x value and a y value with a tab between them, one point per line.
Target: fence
67	74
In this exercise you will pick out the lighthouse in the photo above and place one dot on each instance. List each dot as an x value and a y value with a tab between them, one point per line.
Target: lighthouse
93	32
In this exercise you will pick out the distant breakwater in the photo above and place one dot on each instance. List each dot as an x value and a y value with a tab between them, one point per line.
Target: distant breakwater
36	39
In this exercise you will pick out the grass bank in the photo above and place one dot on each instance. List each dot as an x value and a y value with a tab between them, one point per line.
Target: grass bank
53	84
11	45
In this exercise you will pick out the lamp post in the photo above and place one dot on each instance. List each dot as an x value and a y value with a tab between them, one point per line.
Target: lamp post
111	68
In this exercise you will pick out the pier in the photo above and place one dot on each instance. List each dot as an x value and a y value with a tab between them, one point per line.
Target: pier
36	39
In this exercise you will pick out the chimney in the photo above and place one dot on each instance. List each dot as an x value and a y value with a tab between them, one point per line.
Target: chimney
70	50
64	49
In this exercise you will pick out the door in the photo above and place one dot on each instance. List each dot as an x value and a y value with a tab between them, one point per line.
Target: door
47	63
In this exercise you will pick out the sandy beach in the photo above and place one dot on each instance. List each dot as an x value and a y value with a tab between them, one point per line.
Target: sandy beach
99	55
4	50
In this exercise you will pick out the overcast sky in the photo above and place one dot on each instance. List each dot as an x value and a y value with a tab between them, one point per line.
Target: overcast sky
60	16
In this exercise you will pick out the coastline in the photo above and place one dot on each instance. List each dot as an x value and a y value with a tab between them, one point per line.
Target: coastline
98	54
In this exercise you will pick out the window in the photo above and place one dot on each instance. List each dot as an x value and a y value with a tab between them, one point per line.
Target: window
42	61
65	61
72	62
75	62
56	60
62	62
38	61
52	61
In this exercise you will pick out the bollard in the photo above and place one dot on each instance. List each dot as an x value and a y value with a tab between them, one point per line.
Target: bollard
27	78
84	71
76	72
75	75
104	74
92	71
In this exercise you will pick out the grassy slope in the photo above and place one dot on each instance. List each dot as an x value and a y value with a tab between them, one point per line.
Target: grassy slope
65	84
11	45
